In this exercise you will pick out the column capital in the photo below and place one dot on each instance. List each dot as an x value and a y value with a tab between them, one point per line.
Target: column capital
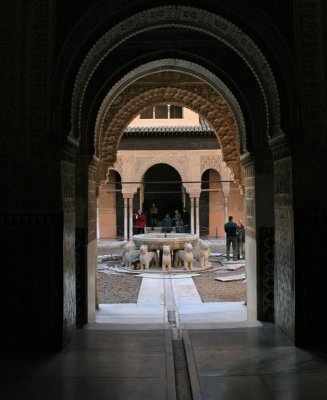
127	195
194	194
279	147
225	188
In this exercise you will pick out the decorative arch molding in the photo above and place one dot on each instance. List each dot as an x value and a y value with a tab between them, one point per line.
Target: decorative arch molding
213	107
173	65
192	19
178	163
216	163
118	166
190	167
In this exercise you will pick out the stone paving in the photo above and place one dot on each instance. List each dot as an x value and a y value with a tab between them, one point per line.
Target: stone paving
154	303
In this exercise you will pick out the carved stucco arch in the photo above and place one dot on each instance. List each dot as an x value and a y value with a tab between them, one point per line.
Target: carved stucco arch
118	167
143	164
123	88
226	174
178	164
188	18
216	163
213	108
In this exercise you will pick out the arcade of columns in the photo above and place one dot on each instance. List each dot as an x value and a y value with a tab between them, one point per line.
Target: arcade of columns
132	165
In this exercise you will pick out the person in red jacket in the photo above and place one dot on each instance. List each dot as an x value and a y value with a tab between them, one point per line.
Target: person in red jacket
140	221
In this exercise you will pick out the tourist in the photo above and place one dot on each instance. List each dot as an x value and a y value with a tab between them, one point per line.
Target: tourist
178	221
186	220
153	215
240	235
140	221
167	224
231	239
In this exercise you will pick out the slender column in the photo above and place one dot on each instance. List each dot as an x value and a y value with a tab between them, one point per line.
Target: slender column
192	215
141	197
125	219
130	218
225	208
183	195
98	220
226	190
197	215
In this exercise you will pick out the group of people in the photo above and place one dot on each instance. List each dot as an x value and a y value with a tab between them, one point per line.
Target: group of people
179	221
235	232
235	236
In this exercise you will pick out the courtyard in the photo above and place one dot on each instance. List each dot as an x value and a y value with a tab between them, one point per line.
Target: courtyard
222	283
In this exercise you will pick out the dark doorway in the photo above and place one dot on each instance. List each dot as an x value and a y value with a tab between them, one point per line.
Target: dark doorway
163	186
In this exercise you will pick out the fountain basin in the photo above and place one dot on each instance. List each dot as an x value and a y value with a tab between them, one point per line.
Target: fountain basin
155	241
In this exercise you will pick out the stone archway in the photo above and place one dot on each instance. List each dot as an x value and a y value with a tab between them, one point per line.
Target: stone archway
133	165
211	87
259	165
213	107
188	18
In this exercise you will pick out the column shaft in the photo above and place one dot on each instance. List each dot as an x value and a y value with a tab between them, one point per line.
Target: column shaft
125	219
130	218
192	215
197	215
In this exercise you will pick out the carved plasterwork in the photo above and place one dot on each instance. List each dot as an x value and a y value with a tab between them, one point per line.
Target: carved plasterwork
191	19
217	163
175	71
213	107
189	164
118	165
280	148
178	163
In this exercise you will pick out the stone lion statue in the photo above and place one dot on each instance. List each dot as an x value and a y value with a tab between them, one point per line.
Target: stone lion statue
201	252
130	254
166	257
147	258
185	256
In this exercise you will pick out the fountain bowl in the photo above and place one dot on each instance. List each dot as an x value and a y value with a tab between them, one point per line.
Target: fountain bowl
155	241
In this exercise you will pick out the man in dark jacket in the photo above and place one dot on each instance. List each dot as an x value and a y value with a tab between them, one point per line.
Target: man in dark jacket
231	239
167	224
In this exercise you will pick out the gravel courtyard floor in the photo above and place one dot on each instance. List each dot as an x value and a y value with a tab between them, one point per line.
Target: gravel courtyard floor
124	288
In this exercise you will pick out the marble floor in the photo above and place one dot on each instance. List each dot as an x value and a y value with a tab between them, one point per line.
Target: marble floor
228	363
128	354
252	363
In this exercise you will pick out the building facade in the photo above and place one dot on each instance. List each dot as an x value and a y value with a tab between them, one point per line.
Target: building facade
204	184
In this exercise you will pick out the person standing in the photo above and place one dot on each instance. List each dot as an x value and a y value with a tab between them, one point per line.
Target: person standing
140	221
231	239
153	215
240	234
178	221
167	224
186	220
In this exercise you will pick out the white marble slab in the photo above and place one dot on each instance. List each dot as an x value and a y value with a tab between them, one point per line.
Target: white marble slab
229	278
234	267
185	291
131	314
151	290
213	312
